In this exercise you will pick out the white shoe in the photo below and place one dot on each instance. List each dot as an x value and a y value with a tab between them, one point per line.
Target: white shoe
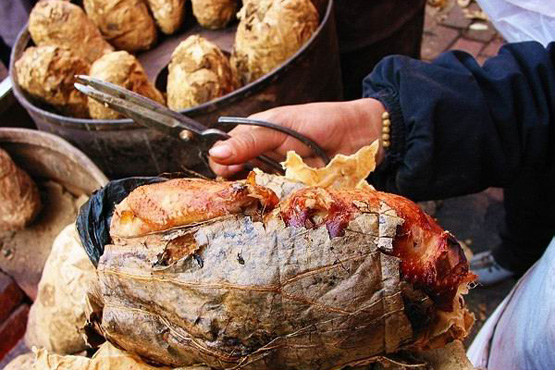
489	272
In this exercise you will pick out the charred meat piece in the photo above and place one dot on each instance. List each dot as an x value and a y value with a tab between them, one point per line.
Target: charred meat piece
181	202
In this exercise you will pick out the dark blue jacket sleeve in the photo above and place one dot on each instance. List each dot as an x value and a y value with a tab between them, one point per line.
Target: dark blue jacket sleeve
458	128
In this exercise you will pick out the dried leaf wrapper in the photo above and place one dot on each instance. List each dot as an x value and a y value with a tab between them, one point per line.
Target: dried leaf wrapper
60	23
270	32
123	69
263	309
126	24
343	172
107	357
47	74
214	14
198	72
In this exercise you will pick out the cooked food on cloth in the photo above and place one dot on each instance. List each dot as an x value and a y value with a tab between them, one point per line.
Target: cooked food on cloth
269	32
214	14
47	74
60	23
198	72
19	196
126	24
228	275
122	69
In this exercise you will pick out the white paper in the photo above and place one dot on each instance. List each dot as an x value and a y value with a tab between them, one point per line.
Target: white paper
519	20
521	332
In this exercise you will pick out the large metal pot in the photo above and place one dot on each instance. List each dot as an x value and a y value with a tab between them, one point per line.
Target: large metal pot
122	148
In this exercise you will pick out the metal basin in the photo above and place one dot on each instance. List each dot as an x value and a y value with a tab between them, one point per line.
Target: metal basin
122	148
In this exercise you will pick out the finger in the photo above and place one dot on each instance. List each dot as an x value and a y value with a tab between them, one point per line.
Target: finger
223	170
245	145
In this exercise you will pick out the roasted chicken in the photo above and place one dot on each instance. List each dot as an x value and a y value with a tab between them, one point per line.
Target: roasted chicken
228	275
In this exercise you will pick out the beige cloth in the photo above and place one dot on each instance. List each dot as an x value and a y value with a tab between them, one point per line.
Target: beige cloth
108	357
57	316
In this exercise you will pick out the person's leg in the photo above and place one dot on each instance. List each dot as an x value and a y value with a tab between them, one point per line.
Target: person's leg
13	16
529	222
4	53
357	64
528	227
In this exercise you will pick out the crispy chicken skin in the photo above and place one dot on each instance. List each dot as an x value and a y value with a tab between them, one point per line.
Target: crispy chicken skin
182	202
431	258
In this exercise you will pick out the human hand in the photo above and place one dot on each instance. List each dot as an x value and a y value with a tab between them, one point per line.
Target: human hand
339	128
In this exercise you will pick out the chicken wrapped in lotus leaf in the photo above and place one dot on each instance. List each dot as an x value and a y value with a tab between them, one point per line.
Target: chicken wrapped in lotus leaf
126	24
60	23
169	14
228	275
19	196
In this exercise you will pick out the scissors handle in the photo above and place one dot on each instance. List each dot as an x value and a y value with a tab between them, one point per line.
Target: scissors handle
221	135
285	130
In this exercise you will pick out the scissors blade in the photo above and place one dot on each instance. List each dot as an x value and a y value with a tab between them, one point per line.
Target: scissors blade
139	114
179	121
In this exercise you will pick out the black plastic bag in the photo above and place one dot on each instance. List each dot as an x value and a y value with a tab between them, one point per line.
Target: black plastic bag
93	222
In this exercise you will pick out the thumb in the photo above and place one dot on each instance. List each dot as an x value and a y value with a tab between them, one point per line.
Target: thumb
245	145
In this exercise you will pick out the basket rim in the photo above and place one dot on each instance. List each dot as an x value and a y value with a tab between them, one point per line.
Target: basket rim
55	143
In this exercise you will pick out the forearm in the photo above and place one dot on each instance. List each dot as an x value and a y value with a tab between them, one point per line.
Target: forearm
459	128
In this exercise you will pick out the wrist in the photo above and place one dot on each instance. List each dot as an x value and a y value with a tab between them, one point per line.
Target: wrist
369	116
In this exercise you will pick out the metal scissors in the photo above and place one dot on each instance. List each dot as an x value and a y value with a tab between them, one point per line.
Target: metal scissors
154	115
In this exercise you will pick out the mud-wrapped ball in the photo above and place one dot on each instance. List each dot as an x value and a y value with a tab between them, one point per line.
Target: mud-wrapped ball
47	74
198	72
214	14
122	69
269	32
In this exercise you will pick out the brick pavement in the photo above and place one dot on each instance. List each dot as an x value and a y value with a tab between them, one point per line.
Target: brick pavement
10	296
449	29
12	330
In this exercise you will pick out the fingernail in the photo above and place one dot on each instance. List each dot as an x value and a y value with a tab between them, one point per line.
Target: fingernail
220	151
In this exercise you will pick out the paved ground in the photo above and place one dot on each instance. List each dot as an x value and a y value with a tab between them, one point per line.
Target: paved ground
474	219
455	27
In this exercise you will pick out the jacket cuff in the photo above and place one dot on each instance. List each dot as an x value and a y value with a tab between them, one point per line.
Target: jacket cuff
396	152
